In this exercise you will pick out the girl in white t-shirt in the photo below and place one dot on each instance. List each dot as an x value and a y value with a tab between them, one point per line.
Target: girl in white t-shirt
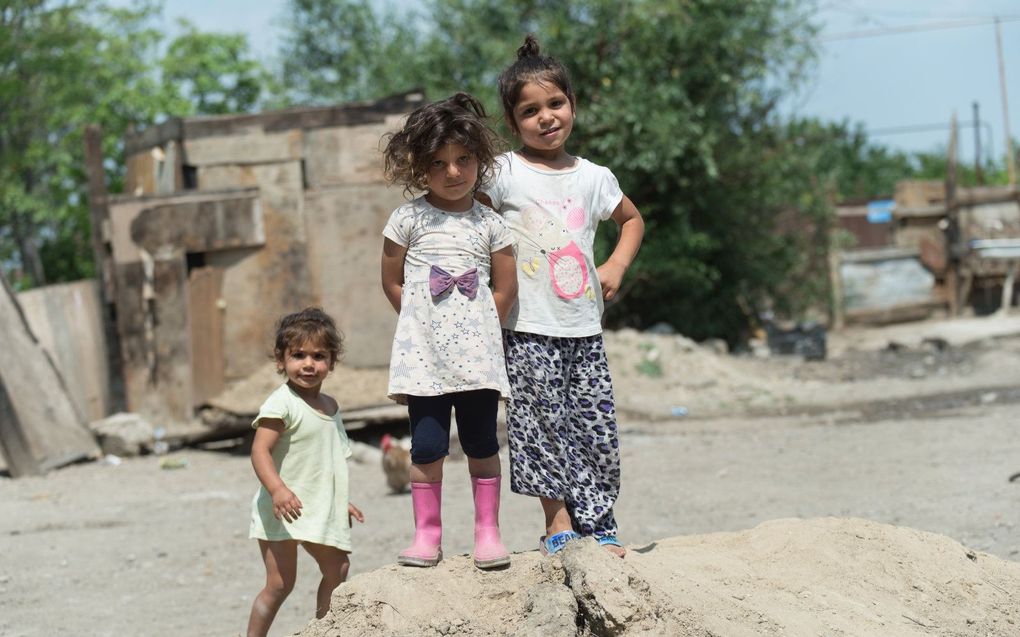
300	456
561	420
438	253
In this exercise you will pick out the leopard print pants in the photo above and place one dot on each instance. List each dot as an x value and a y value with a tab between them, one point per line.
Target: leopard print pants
561	425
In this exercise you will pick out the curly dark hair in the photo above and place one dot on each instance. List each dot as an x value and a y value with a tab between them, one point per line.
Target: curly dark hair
531	66
459	119
309	325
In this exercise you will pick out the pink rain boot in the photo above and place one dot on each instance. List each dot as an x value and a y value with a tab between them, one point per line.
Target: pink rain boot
426	499
489	549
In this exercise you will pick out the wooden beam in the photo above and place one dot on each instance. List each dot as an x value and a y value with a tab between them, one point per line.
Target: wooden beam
215	223
102	253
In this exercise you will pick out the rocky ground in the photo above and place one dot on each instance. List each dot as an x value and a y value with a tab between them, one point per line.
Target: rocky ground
828	576
920	434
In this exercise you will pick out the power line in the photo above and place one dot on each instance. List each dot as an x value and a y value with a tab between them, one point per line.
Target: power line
913	28
917	128
923	128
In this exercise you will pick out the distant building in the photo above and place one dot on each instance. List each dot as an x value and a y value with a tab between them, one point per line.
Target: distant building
232	221
925	251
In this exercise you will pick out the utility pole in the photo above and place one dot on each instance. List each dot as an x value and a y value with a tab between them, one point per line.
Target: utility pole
1010	159
978	174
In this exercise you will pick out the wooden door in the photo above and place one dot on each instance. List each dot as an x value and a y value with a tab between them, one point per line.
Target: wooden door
206	325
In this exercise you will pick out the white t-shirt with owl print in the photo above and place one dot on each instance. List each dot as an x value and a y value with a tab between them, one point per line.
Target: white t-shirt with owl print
553	216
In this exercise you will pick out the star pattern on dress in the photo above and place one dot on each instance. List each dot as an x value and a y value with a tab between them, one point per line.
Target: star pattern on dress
450	343
400	370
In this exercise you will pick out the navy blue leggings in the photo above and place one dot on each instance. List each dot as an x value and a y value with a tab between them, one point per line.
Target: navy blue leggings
476	424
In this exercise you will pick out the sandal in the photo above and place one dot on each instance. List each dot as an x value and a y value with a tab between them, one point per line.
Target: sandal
554	543
611	540
612	545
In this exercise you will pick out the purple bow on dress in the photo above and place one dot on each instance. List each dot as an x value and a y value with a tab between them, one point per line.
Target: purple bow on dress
440	281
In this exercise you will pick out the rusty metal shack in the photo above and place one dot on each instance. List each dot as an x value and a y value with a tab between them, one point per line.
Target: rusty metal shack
966	239
232	221
947	228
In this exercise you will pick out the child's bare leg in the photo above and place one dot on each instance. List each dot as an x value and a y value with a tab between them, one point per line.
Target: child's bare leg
280	558
484	467
431	472
334	565
557	518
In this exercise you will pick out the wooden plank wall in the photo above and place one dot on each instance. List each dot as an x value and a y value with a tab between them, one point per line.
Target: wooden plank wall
36	434
67	320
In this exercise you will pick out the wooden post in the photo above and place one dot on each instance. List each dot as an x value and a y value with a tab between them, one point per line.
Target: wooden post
979	174
1007	286
103	255
838	318
1010	158
951	161
953	258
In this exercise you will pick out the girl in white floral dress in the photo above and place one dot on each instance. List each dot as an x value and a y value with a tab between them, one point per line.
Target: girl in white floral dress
439	254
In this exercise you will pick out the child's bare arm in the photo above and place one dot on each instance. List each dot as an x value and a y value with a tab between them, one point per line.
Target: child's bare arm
632	230
393	271
504	281
285	503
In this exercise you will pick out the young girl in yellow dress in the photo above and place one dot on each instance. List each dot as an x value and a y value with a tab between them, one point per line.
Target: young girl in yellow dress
300	456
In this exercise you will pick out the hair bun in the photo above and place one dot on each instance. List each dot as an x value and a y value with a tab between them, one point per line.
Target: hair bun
529	48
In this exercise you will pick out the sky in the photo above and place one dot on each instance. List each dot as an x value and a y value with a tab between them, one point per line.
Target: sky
885	82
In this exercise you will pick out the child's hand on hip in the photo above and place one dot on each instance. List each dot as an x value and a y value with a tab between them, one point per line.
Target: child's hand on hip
610	277
286	505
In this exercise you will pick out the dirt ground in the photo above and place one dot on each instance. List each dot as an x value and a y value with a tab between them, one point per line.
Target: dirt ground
920	434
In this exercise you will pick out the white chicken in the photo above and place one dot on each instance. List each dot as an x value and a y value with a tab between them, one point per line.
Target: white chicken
396	463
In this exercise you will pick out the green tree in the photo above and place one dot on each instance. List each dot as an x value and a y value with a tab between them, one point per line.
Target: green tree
935	165
855	167
678	97
63	66
212	73
341	50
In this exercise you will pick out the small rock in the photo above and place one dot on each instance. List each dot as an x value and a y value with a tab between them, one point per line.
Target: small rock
716	345
124	434
759	349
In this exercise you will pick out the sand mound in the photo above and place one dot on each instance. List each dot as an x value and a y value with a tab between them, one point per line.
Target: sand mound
828	576
653	373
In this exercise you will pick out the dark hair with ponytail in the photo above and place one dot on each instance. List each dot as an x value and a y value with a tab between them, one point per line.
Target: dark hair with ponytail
459	119
531	66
